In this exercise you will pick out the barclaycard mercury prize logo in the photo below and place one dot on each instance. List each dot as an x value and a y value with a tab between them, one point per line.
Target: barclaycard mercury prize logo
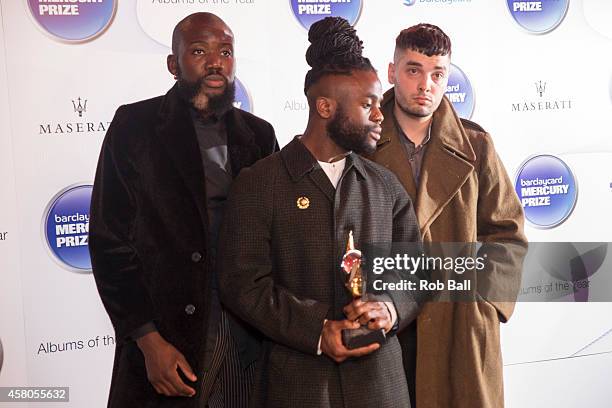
66	227
547	190
459	92
538	17
309	11
542	102
73	20
79	108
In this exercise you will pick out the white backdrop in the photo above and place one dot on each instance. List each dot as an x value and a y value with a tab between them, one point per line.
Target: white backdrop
48	305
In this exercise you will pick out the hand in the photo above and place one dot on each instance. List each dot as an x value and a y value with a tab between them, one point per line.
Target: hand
373	314
331	341
162	360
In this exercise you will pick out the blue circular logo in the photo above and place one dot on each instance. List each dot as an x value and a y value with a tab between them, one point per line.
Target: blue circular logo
547	190
409	2
66	227
73	20
459	92
242	99
538	17
309	11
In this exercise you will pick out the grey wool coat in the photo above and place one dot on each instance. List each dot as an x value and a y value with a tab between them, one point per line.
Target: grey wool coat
280	272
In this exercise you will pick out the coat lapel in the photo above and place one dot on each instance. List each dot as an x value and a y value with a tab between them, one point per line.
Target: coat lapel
300	162
390	151
177	135
241	146
447	163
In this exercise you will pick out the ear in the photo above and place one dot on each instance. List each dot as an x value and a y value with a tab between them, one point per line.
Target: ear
326	107
172	64
391	73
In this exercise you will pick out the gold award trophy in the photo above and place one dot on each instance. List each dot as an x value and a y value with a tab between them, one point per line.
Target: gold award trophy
355	283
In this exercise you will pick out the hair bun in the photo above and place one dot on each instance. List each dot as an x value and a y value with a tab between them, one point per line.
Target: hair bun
333	40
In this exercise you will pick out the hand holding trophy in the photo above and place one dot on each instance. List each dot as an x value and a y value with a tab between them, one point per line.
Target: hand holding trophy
355	284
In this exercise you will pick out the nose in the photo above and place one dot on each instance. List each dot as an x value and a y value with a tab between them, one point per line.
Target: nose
425	84
213	61
377	116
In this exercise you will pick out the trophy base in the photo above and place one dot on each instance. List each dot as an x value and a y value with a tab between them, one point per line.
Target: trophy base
361	337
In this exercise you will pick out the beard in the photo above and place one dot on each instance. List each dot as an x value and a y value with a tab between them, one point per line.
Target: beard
206	104
348	135
417	113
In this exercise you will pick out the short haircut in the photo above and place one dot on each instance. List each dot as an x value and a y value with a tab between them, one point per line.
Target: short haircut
201	17
427	39
335	49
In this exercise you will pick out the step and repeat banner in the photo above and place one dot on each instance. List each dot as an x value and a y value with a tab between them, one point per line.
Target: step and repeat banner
536	74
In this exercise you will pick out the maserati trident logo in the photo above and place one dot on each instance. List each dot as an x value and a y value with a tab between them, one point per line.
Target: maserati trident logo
80	108
540	88
76	124
552	101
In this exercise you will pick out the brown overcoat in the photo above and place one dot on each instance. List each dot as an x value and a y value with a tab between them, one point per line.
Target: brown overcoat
464	195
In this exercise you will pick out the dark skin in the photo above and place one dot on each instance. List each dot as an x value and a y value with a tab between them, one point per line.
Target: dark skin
360	95
202	47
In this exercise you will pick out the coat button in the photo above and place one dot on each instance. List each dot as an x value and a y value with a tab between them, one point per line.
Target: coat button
196	257
190	309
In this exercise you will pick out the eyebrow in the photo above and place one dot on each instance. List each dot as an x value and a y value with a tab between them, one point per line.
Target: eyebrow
418	64
207	42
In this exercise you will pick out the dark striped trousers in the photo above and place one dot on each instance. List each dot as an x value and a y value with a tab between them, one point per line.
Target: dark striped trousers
227	384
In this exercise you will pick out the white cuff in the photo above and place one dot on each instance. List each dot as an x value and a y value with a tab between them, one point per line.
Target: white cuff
319	351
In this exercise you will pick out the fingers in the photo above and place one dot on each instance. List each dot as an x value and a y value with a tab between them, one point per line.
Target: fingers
171	385
160	388
186	368
162	363
331	342
366	311
352	310
178	386
340	325
362	351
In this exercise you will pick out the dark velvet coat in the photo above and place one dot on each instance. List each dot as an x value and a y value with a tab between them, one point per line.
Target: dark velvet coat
148	236
280	271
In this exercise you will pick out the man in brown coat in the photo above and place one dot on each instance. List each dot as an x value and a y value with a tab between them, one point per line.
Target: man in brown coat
462	193
285	232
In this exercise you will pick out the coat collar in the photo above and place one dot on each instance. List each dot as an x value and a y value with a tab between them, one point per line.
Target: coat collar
448	160
299	162
176	133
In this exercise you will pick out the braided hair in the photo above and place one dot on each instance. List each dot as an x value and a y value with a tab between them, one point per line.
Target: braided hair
335	49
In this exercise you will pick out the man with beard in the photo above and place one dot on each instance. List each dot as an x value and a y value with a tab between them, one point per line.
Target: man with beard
159	194
462	194
286	229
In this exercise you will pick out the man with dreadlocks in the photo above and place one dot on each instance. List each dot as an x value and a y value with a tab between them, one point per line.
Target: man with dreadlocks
285	231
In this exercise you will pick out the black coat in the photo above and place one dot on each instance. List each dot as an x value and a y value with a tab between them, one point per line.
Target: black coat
148	235
280	271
